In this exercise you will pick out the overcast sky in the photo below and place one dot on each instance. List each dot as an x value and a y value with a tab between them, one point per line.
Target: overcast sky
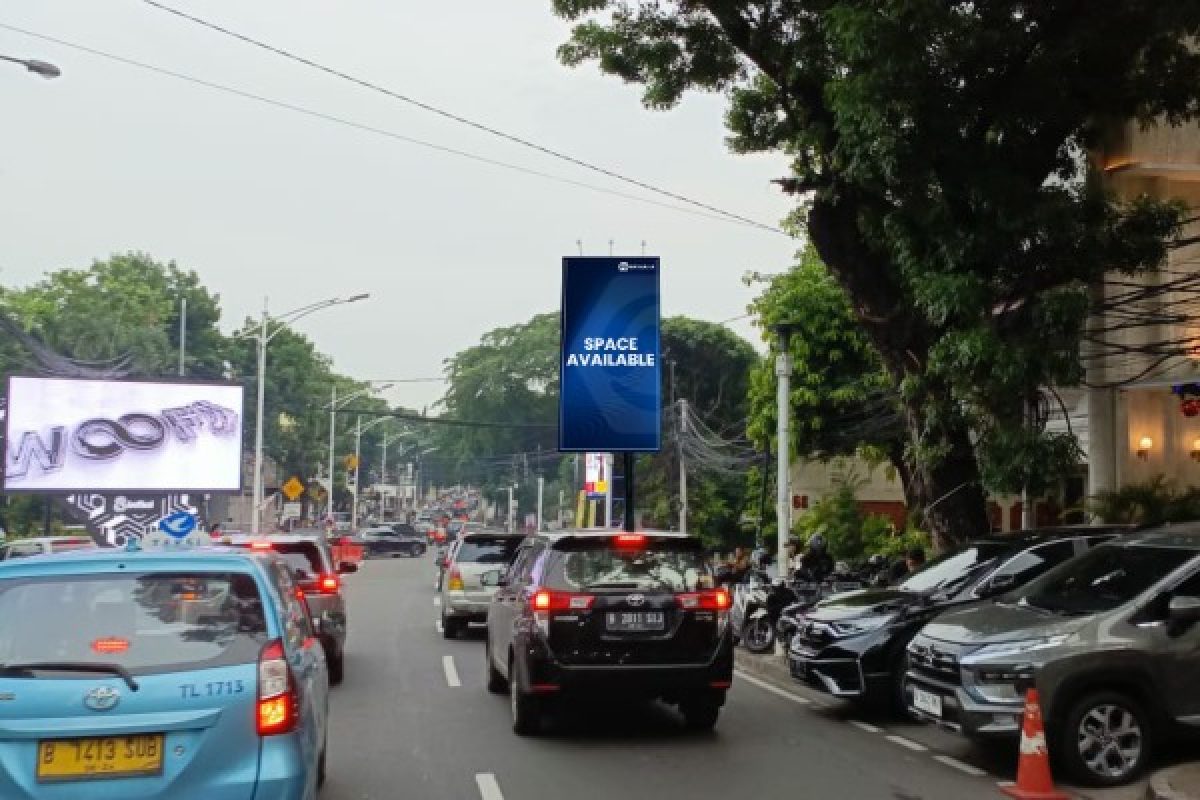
263	201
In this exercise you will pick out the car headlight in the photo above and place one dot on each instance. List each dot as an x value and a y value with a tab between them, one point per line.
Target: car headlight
854	627
1019	647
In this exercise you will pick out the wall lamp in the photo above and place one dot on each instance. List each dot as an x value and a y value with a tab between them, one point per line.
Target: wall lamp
1145	445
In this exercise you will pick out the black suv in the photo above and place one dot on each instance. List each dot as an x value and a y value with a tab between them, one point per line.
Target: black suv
853	645
634	614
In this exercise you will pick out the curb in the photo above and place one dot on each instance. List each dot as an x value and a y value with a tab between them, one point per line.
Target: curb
1169	784
768	667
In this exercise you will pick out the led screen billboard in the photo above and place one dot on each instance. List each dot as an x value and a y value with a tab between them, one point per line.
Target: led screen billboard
73	435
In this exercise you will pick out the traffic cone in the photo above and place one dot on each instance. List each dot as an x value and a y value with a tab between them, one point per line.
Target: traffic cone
1033	770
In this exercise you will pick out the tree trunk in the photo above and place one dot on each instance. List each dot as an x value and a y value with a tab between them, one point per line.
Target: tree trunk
941	474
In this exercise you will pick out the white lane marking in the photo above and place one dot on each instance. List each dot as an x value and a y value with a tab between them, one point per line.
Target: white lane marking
437	600
795	698
865	726
909	743
961	766
437	623
488	788
451	672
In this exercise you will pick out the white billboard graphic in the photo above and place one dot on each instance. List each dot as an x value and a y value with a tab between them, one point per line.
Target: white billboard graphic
68	435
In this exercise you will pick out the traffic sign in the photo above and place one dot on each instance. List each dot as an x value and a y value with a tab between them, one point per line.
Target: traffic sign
292	488
350	461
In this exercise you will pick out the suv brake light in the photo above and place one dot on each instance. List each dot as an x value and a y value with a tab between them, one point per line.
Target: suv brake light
630	540
278	702
708	600
455	582
546	600
329	584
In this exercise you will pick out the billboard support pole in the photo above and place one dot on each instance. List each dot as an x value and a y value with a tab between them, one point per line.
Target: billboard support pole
630	523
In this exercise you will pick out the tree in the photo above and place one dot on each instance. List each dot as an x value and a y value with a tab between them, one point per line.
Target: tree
938	159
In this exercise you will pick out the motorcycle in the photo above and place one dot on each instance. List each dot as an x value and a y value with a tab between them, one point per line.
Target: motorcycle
765	604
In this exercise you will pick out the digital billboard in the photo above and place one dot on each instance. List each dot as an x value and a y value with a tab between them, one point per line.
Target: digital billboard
610	373
73	435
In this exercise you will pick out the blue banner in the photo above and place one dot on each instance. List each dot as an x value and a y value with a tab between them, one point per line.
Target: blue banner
610	373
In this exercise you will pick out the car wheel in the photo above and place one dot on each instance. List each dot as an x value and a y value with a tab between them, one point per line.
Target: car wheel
449	627
758	636
337	667
526	708
700	713
1105	739
495	681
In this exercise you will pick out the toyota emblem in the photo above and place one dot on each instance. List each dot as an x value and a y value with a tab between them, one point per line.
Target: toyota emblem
636	599
102	698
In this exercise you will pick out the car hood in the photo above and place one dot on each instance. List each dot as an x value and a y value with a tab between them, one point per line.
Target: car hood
993	623
864	603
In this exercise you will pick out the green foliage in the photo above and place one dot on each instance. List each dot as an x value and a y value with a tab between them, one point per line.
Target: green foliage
938	151
852	535
1155	502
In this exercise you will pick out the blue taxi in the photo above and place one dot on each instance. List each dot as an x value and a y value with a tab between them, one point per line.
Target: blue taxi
182	675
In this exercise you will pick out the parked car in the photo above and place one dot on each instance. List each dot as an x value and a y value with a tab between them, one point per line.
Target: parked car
317	576
189	675
853	645
41	545
586	613
464	598
384	542
1110	640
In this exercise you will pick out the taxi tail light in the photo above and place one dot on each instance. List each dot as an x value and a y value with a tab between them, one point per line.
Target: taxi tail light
545	600
707	600
278	703
455	582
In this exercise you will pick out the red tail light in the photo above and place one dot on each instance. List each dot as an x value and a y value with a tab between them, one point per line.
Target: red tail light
278	703
546	600
260	545
708	600
329	584
630	540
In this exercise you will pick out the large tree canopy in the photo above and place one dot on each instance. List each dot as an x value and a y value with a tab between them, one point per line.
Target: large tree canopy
938	155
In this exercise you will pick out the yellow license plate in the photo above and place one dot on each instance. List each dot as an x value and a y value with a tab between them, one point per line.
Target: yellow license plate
101	757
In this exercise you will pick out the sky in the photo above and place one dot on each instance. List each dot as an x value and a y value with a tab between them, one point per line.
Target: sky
264	202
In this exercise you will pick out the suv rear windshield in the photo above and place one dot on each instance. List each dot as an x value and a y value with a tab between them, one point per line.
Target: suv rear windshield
487	549
1104	578
152	622
953	570
653	568
303	558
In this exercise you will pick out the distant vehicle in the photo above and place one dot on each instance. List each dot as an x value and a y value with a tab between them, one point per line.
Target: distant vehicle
317	575
586	613
852	645
188	675
464	598
342	521
384	542
1111	640
42	545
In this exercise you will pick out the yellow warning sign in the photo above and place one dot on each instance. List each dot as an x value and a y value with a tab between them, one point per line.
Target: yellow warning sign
293	488
350	461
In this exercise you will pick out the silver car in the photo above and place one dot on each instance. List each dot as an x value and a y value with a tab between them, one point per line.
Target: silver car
464	597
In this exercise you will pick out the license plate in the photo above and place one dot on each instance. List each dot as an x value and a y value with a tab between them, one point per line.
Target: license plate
103	757
928	702
635	621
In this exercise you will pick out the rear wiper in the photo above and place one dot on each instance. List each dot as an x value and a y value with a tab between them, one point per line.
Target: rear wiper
30	667
612	585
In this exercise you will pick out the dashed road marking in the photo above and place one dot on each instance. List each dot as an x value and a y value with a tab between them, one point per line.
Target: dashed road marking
865	726
451	671
488	788
437	600
916	747
961	766
795	698
437	623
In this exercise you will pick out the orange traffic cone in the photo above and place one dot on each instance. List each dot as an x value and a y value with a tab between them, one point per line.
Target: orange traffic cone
1033	770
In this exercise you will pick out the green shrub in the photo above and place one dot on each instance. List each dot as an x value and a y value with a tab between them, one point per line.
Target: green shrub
1155	502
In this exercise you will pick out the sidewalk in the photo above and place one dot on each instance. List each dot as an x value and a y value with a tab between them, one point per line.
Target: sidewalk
1175	783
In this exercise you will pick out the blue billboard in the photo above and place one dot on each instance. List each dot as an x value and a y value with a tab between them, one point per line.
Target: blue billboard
610	376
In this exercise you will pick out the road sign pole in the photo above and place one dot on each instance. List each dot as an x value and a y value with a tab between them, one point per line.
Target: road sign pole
630	521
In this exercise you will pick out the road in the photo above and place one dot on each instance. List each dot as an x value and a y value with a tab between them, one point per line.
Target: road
413	721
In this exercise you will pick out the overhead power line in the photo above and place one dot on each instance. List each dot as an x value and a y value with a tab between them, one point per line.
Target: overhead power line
311	112
488	129
461	423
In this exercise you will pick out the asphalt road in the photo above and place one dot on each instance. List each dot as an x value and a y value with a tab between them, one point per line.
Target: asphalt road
413	721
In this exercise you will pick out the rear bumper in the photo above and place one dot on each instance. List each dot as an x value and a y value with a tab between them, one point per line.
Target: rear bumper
283	772
545	673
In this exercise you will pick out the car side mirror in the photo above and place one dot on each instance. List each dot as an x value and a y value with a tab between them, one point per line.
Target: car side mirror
1184	610
999	584
346	567
492	578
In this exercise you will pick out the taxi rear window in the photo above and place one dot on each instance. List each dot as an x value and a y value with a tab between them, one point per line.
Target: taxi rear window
147	623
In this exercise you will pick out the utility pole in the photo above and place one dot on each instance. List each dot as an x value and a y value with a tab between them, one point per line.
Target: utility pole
783	372
608	460
259	423
332	445
683	498
541	490
511	510
182	335
357	458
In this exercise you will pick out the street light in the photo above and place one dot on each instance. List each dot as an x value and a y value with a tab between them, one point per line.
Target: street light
359	429
417	476
334	405
43	68
264	338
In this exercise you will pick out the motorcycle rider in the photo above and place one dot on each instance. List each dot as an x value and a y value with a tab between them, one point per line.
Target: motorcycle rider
817	561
